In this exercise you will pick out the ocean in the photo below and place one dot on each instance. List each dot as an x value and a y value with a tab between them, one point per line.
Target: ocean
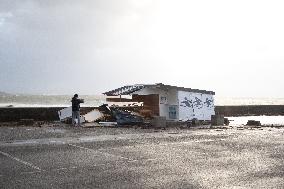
48	100
97	100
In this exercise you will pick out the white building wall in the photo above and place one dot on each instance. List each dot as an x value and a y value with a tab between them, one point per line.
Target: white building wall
195	105
208	103
188	105
173	101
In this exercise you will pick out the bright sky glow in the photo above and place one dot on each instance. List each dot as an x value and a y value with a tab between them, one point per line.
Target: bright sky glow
234	48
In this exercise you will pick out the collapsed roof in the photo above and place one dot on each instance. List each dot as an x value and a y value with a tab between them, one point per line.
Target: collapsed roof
130	89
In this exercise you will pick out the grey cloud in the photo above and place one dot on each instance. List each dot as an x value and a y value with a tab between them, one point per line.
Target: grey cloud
90	46
54	45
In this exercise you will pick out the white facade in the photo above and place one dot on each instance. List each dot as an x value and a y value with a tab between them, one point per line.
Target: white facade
182	105
195	105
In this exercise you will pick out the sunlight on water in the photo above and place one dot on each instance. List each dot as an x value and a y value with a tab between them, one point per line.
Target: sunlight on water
264	120
48	100
227	101
97	100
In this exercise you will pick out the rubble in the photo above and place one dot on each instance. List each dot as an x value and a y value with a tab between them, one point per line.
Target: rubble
65	113
158	122
226	121
126	118
103	115
217	120
253	123
195	122
26	122
108	124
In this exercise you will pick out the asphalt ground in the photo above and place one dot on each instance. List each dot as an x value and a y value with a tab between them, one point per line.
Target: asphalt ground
62	157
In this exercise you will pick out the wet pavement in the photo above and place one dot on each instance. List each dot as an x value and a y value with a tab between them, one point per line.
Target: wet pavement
64	157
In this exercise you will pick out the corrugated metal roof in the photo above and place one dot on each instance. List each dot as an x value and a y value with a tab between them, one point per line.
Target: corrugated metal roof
130	89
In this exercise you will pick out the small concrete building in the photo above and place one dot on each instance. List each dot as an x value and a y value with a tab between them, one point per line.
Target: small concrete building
172	102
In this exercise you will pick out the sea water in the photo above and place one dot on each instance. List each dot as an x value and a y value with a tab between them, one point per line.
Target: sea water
264	120
49	100
97	100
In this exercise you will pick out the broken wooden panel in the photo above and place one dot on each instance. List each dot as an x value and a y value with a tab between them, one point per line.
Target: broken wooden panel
65	113
151	102
119	100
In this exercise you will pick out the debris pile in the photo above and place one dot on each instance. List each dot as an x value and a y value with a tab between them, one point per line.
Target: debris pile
126	117
105	115
217	120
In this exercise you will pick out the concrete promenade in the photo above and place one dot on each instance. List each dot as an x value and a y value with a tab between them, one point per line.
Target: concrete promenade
65	157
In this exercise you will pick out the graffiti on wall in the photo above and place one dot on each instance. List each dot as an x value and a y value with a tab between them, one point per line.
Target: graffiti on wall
186	103
208	102
195	105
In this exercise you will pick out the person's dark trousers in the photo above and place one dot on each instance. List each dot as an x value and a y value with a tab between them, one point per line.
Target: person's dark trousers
76	115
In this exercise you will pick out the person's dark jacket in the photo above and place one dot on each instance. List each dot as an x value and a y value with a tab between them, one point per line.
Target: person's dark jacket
76	103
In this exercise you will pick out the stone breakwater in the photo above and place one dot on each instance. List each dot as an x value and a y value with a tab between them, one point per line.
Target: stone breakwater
50	113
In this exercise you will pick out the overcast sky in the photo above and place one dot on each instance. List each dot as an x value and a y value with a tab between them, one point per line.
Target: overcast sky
235	48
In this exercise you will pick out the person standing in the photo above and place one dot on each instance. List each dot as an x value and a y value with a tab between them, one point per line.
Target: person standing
76	109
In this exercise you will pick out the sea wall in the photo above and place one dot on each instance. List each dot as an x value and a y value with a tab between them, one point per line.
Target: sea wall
251	110
50	114
38	114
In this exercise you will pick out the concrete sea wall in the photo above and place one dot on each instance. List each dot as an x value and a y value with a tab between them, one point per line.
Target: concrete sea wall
50	114
251	110
38	114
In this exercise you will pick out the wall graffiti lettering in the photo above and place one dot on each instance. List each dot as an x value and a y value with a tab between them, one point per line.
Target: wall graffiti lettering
197	103
208	102
186	103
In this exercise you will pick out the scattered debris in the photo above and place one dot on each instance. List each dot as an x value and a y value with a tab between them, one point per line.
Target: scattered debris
219	130
126	118
65	113
253	123
26	122
188	123
104	114
240	128
173	133
226	121
91	125
217	120
158	122
146	114
39	123
108	124
221	127
195	122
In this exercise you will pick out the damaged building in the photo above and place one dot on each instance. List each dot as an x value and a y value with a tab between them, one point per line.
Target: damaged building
174	103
